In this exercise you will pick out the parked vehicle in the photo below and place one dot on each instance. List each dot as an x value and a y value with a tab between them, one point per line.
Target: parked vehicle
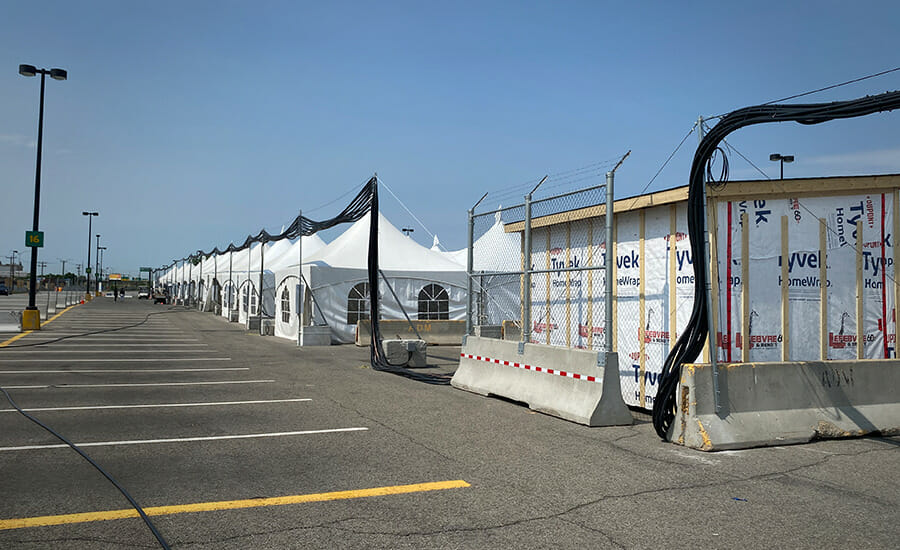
3	290
144	294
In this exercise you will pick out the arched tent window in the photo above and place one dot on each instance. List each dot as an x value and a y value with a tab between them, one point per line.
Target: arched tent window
434	303
358	303
286	305
246	300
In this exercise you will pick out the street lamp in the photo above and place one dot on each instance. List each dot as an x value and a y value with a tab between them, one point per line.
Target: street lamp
87	282
100	250
407	230
12	273
778	157
31	318
97	265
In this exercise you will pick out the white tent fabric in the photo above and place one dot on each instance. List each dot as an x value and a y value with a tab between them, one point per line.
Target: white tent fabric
335	270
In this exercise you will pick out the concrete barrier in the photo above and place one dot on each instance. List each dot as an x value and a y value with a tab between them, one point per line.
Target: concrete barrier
315	336
779	403
511	331
435	333
584	392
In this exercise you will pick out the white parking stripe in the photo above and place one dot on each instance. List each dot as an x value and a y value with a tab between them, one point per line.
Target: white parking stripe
77	345
159	405
136	385
53	350
118	360
181	439
116	370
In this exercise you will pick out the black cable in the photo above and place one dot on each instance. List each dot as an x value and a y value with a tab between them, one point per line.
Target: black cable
74	447
377	356
134	504
691	342
171	309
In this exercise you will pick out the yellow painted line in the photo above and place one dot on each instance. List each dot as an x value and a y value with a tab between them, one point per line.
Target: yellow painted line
27	332
43	521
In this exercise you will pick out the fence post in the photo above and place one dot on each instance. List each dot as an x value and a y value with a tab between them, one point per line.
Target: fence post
526	287
608	267
469	273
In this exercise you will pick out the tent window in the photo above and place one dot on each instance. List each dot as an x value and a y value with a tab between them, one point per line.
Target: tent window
358	303
229	296
285	305
434	303
246	300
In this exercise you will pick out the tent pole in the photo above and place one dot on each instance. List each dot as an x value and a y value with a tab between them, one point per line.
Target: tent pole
299	305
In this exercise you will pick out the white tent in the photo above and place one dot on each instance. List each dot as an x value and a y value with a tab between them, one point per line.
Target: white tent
427	283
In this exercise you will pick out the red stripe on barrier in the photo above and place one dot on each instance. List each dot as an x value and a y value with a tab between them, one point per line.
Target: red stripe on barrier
534	368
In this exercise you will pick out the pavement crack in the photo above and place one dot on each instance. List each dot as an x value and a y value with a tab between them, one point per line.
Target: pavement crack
392	430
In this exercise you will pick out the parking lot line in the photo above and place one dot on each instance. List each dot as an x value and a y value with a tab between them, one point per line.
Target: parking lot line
83	371
134	385
9	351
27	332
43	521
117	360
180	439
161	405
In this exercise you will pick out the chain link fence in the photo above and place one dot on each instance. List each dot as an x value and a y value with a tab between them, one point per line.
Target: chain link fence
538	271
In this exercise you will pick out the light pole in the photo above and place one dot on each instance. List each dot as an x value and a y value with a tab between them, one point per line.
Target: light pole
63	272
97	266
778	157
407	230
31	318
100	250
12	273
87	282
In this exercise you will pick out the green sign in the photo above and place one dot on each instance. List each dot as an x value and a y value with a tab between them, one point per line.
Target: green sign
34	239
147	269
88	271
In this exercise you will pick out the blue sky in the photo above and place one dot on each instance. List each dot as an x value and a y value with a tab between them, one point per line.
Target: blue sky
191	124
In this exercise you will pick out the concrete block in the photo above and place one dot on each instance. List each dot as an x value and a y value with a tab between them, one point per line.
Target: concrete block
267	327
408	353
511	331
315	336
779	403
434	333
253	323
488	331
584	392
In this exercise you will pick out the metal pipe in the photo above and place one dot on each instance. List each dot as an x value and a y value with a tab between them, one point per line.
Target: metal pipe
469	263
526	276
608	263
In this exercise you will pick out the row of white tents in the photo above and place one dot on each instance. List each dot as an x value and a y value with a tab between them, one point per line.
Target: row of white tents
307	282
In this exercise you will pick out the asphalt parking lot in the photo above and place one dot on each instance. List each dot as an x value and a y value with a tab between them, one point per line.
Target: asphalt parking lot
276	446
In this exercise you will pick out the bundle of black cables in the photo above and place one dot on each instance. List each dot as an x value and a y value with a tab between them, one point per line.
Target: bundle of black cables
691	342
365	202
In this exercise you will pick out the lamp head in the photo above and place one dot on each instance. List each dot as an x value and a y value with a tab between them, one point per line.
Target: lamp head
59	74
787	158
27	70
775	157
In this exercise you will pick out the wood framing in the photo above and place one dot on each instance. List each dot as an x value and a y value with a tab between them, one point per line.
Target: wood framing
785	297
673	248
823	289
642	304
860	319
745	288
